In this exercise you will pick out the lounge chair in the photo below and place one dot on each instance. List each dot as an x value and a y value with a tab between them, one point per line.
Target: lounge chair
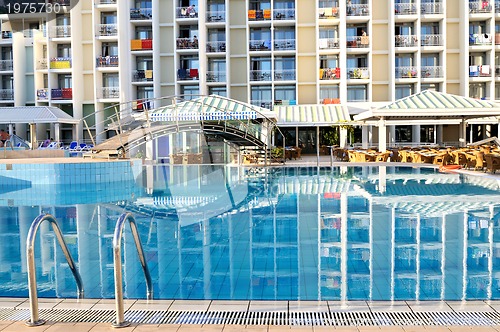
492	162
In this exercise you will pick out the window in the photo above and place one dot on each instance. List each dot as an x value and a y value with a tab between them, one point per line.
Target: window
404	133
145	92
190	91
328	4
497	91
63	19
328	61
144	63
261	95
329	92
109	48
404	60
357	61
260	34
355	30
259	5
216	35
477	28
188	31
64	50
427	134
64	81
429	28
143	4
477	90
189	62
403	90
108	18
431	86
477	59
143	32
284	68
218	90
357	92
6	53
328	33
110	80
284	92
7	82
284	34
430	59
405	29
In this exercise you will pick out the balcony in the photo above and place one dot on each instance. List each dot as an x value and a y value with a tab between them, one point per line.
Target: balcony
141	13
141	44
284	14
358	73
477	7
260	75
106	30
432	8
6	94
259	15
260	45
480	39
432	40
284	44
187	74
497	8
406	72
6	65
110	92
187	44
64	93
60	31
285	102
216	76
480	71
328	43
42	94
325	13
262	103
107	61
431	71
6	34
41	64
216	16
185	12
107	2
142	75
358	41
358	10
284	75
406	41
405	8
329	73
216	46
60	63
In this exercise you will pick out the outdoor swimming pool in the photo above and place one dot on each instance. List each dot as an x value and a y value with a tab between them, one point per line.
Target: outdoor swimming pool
288	233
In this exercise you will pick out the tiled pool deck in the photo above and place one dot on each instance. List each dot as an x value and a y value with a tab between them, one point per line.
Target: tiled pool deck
253	315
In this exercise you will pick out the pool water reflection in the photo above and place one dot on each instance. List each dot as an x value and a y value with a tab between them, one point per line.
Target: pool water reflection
357	233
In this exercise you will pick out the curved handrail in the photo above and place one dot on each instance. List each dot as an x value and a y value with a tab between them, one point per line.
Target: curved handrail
117	258
30	254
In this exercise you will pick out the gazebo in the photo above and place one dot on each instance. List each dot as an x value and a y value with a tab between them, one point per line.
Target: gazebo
429	108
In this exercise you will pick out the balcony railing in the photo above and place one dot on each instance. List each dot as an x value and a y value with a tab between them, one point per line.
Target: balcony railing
41	64
329	12
479	7
6	34
328	43
107	2
107	61
141	13
216	46
284	75
405	8
260	45
64	93
142	75
480	71
187	74
358	10
6	94
284	14
329	73
406	72
60	63
432	40
42	94
262	103
284	44
6	65
186	12
480	39
260	75
259	15
60	31
406	41
106	30
110	92
186	43
358	73
141	44
216	16
497	8
432	8
216	76
358	41
431	71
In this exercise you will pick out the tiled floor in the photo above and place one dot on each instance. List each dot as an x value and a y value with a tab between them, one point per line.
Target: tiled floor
247	306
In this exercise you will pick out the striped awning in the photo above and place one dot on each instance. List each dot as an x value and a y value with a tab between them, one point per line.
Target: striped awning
209	108
433	105
312	115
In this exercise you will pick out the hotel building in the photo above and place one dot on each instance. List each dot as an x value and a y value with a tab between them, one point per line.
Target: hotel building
358	53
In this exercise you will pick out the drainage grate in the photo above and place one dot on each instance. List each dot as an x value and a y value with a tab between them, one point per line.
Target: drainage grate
300	318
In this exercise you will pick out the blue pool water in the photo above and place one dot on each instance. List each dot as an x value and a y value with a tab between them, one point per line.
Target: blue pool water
219	232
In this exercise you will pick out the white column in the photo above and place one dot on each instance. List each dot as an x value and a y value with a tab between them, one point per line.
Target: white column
382	135
415	134
463	134
392	134
367	136
77	67
19	74
343	137
57	132
439	134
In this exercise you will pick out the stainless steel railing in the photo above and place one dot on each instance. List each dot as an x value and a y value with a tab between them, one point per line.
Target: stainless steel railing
30	253
117	257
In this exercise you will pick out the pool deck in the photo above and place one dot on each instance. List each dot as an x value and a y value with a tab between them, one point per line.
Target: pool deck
355	315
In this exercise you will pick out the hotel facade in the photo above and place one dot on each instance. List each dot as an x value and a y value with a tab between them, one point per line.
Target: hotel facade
359	54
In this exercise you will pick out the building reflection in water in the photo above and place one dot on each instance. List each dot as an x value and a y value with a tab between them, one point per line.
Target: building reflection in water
359	233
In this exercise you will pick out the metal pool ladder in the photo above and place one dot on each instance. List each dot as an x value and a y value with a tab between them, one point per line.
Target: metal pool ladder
117	257
34	318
